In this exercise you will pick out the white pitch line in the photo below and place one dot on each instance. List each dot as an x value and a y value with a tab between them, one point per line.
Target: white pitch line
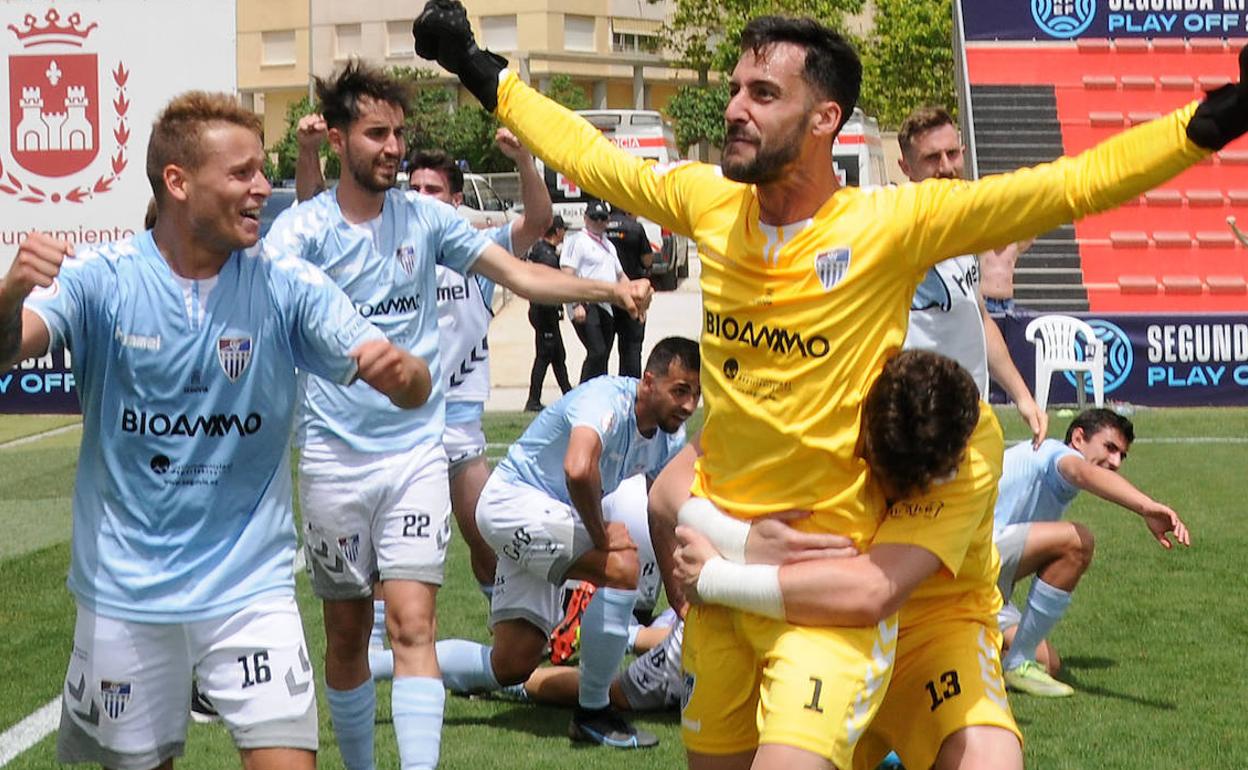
40	436
1173	440
29	731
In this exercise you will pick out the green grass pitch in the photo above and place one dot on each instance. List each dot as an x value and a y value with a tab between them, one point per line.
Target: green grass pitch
1153	642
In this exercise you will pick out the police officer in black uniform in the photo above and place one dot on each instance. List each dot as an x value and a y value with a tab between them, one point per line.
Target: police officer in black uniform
632	246
545	320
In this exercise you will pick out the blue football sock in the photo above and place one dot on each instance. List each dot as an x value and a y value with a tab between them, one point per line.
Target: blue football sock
378	637
466	666
1045	606
604	637
352	713
416	703
380	662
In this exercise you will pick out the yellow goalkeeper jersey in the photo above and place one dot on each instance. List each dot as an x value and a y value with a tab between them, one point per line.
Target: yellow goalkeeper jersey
953	521
798	320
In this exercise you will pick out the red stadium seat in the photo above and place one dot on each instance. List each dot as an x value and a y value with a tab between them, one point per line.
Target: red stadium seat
1169	44
1138	83
1129	239
1136	118
1163	198
1177	82
1172	239
1182	284
1215	239
1100	82
1227	284
1106	119
1091	44
1205	198
1210	82
1137	284
1207	44
1131	45
1233	157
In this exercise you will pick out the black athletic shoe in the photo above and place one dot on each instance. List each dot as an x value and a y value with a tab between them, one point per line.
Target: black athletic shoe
202	709
533	406
607	728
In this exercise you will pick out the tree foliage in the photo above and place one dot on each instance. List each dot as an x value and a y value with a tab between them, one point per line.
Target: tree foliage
697	113
909	59
287	148
565	91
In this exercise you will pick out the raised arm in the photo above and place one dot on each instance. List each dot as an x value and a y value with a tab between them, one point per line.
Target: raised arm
564	140
1160	519
310	134
549	286
22	332
537	216
1002	370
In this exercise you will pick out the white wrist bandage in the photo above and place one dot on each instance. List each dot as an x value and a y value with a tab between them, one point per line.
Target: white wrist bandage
751	587
727	534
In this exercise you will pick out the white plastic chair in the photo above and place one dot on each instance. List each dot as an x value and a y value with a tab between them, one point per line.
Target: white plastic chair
1061	341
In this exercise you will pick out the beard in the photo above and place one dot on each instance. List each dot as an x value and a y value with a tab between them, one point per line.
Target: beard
771	158
368	175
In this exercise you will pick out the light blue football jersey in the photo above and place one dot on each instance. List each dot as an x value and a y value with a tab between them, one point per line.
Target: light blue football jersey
1032	488
182	502
390	278
606	404
465	309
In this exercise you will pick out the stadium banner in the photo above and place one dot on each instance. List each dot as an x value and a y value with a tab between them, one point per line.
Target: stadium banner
1073	19
1151	360
81	96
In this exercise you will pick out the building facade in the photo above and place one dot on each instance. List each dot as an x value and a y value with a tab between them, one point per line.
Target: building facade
608	47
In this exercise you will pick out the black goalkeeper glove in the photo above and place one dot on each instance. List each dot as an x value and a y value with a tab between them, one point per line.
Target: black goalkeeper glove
1223	116
442	33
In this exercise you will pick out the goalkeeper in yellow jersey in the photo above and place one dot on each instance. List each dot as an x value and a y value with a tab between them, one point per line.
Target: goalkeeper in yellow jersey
806	288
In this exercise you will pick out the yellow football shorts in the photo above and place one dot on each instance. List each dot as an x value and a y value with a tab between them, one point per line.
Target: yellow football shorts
752	680
947	676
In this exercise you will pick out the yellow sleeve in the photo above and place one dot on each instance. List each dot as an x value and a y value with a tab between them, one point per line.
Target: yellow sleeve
945	519
944	218
673	195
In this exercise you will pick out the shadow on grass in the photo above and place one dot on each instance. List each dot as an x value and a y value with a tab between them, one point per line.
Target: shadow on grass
548	721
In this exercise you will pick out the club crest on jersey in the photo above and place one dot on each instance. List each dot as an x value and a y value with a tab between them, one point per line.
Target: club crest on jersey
831	266
407	258
114	696
350	546
234	353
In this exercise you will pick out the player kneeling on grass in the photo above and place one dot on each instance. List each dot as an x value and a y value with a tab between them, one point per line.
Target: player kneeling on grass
935	449
1036	489
541	510
186	342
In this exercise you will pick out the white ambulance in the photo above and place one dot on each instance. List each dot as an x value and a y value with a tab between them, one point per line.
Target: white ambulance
645	134
858	154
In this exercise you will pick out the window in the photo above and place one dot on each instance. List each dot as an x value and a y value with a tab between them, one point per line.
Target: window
628	42
489	199
635	35
399	40
578	33
499	32
277	47
347	41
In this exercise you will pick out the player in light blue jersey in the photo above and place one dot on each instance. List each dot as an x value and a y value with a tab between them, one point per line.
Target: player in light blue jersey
465	309
1036	489
373	481
185	343
541	510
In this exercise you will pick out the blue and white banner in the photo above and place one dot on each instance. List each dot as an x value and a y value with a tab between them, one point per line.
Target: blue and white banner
1152	360
1072	19
40	386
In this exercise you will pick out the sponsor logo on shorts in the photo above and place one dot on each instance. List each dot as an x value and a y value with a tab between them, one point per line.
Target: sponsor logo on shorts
234	353
831	266
927	509
692	725
350	547
115	696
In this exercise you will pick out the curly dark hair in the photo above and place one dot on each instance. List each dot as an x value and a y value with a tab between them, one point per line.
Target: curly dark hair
916	421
